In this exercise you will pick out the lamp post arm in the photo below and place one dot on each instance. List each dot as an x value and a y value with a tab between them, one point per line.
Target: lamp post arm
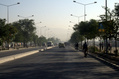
9	5
84	7
8	9
14	4
79	3
21	16
25	17
3	4
90	3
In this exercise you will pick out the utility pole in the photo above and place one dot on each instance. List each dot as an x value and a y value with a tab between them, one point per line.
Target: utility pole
106	26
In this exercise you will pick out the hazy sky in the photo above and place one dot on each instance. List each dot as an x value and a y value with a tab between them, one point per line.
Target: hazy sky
54	14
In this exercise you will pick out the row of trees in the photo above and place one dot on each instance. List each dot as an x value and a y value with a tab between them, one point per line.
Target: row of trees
21	31
85	30
106	28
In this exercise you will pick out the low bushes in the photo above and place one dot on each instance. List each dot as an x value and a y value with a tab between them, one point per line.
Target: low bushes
93	49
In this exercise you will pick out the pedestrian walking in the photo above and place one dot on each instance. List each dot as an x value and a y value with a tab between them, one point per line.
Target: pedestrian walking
85	48
109	47
76	46
102	45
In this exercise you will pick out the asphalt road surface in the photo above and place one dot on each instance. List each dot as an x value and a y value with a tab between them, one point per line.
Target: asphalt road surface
57	63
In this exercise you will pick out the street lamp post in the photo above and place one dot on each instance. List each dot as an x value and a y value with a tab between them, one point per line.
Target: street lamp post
48	35
41	30
26	17
8	9
106	20
36	26
46	30
106	9
77	17
84	7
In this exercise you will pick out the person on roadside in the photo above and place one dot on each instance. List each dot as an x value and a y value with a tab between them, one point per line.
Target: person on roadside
109	47
76	46
102	46
85	48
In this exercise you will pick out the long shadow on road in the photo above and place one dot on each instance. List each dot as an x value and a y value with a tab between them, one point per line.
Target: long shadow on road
64	70
62	66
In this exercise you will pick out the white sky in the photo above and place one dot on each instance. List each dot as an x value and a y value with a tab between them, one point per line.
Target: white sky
54	14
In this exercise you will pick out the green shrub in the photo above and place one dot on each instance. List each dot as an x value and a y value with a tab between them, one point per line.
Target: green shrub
92	49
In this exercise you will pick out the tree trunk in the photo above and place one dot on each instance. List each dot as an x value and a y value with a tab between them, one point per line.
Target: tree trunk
94	44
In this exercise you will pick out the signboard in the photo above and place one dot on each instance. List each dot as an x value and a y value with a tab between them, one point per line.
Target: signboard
106	26
101	27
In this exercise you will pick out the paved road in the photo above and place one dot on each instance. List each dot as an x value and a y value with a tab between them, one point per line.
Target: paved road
57	63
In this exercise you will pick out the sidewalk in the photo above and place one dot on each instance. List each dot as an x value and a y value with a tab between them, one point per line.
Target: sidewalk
107	59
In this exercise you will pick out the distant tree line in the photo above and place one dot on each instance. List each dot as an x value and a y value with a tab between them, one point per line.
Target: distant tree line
21	31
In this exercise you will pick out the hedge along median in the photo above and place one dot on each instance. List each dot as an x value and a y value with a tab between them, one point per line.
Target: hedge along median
13	57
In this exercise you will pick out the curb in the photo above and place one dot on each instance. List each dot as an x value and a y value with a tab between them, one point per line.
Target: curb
12	49
112	65
13	57
17	56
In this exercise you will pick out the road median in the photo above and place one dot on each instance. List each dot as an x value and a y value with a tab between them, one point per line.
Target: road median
17	56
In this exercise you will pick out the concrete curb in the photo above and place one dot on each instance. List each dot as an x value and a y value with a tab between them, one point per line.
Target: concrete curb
46	48
16	56
12	49
49	47
112	65
13	57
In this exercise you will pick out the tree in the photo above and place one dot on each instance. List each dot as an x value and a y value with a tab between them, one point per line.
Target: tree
2	24
54	40
42	40
83	29
35	39
76	37
110	24
93	29
26	30
116	27
19	35
88	29
8	33
57	40
117	10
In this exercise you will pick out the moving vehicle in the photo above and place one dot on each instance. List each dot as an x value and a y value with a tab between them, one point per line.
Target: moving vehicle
61	45
50	43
